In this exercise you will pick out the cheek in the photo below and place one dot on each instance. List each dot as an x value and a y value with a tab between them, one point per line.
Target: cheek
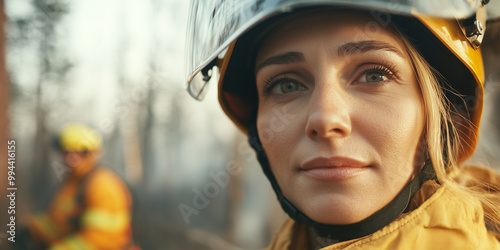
396	129
280	129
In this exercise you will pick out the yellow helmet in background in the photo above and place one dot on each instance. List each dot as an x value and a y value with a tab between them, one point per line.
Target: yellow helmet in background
446	33
76	137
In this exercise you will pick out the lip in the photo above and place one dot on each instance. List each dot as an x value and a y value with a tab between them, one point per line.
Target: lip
333	168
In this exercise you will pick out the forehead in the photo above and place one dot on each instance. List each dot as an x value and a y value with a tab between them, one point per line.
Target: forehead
334	27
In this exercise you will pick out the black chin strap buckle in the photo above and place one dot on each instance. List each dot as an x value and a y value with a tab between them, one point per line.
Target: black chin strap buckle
207	71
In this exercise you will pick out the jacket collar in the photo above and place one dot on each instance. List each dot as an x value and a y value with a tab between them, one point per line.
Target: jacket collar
439	212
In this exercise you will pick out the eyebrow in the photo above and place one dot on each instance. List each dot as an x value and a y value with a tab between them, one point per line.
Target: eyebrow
365	46
344	50
290	57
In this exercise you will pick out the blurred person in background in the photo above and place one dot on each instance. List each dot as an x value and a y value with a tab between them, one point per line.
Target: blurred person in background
361	114
92	208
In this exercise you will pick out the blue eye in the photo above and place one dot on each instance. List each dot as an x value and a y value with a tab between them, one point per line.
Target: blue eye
282	84
375	77
376	74
289	86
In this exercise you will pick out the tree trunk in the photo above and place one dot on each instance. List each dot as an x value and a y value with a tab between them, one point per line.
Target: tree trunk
4	122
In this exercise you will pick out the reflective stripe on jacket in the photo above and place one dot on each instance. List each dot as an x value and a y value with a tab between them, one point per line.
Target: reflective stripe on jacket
447	219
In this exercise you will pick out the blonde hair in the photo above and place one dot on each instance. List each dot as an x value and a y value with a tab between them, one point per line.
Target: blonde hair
442	142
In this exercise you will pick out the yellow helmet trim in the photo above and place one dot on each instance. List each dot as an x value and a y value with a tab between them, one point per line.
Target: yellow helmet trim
77	137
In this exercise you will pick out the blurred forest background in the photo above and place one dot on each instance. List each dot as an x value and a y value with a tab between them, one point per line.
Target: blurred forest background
119	67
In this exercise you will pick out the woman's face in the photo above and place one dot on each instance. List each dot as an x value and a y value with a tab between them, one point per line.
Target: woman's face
340	114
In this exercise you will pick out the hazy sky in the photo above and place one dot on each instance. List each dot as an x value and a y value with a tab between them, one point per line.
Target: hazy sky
106	39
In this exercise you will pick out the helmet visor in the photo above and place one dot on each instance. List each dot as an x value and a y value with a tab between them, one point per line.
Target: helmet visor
214	24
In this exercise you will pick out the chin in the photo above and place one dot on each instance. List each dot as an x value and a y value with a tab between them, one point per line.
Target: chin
335	213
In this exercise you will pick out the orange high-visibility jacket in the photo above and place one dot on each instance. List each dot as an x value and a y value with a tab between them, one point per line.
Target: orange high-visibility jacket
446	219
97	217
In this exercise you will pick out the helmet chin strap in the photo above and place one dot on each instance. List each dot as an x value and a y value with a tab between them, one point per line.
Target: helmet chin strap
370	225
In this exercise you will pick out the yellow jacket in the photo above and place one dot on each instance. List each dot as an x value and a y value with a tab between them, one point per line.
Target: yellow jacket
447	219
101	220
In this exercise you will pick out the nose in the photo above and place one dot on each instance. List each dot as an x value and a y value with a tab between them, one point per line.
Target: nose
328	115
